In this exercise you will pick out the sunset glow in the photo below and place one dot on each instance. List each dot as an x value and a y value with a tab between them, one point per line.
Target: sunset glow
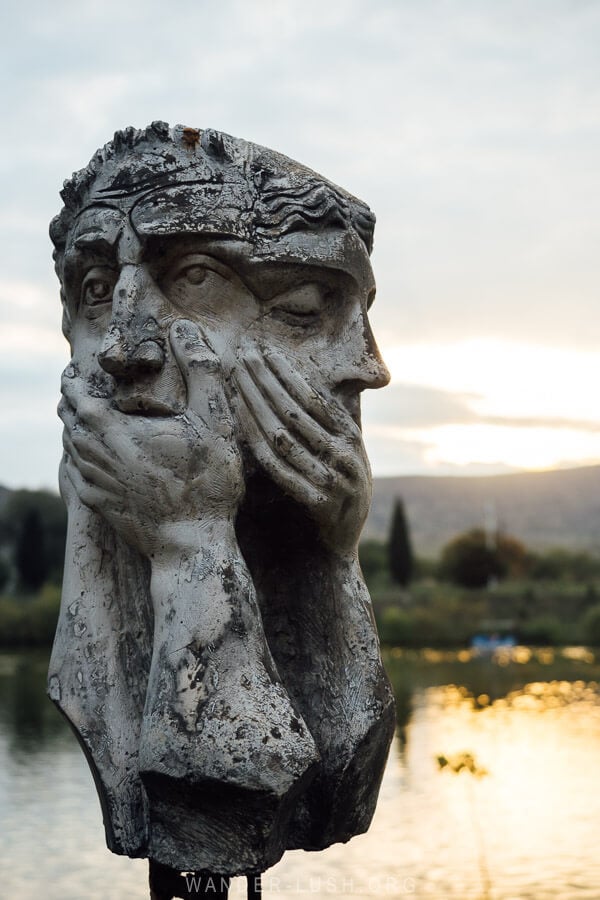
517	405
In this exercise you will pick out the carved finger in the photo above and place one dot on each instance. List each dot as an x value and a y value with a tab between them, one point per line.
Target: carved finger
93	473
88	443
329	412
282	473
72	424
67	414
91	449
269	429
93	411
287	409
342	456
70	385
352	462
90	495
66	489
201	370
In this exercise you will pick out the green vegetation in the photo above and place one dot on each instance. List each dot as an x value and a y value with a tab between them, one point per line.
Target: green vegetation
437	614
29	620
486	585
474	558
479	584
33	528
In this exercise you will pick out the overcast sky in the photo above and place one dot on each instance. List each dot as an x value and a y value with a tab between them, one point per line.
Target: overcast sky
472	129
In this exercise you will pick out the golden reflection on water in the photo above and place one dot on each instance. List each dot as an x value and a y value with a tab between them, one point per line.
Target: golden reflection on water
532	822
512	814
492	790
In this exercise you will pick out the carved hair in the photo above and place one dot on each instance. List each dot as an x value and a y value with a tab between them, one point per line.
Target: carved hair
281	196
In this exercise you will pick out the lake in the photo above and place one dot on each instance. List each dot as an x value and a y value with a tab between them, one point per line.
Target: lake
492	790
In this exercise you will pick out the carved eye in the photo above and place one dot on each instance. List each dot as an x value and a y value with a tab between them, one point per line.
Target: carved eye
98	285
196	281
301	305
193	269
193	274
99	291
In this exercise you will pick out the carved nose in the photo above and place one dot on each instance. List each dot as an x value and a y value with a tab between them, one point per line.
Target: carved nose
363	366
375	373
121	359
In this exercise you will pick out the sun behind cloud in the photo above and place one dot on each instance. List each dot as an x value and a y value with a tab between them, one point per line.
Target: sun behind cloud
486	405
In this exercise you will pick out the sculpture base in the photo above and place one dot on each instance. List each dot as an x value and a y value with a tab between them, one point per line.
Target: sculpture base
166	883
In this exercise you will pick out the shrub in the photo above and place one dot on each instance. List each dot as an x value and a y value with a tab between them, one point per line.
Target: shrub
542	630
591	626
373	560
29	621
472	560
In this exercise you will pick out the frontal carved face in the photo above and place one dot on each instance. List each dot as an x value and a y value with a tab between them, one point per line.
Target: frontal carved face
125	287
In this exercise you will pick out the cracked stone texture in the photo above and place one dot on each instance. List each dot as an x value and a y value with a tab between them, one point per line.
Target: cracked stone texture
216	653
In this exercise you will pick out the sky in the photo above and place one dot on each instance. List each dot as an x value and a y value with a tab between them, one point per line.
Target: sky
471	128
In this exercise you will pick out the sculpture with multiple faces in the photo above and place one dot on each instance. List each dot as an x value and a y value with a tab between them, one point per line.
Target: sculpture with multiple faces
216	652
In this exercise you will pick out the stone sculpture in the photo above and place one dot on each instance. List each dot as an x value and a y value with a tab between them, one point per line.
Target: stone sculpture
216	653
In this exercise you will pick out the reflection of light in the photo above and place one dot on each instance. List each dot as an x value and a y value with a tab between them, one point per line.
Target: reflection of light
579	654
523	448
521	655
532	820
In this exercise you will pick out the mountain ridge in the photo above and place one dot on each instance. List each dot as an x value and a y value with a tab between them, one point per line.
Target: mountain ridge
544	509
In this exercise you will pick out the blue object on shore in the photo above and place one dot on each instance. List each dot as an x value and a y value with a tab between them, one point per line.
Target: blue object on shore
485	643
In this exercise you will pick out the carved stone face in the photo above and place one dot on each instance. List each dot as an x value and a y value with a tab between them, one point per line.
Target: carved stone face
232	699
125	287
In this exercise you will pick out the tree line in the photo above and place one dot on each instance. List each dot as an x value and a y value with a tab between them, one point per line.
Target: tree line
474	559
33	529
33	526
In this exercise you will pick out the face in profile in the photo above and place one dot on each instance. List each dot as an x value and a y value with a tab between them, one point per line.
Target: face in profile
125	288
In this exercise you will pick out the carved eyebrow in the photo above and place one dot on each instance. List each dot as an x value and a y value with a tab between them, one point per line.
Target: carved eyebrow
94	240
87	248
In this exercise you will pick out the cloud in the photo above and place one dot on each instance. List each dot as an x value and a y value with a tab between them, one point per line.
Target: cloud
415	406
30	323
395	452
473	130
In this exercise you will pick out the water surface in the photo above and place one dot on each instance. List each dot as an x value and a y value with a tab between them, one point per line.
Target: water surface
522	825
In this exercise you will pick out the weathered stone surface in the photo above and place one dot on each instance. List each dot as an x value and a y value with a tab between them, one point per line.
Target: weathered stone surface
216	652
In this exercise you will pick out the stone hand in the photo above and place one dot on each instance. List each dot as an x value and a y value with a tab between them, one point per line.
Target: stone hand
156	478
310	446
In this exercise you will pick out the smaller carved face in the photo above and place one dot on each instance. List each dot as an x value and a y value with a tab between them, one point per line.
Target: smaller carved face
124	289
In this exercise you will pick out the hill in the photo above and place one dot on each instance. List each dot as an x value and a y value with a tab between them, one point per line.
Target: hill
560	508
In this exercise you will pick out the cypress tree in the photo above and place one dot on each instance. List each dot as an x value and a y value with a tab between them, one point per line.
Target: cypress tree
399	546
